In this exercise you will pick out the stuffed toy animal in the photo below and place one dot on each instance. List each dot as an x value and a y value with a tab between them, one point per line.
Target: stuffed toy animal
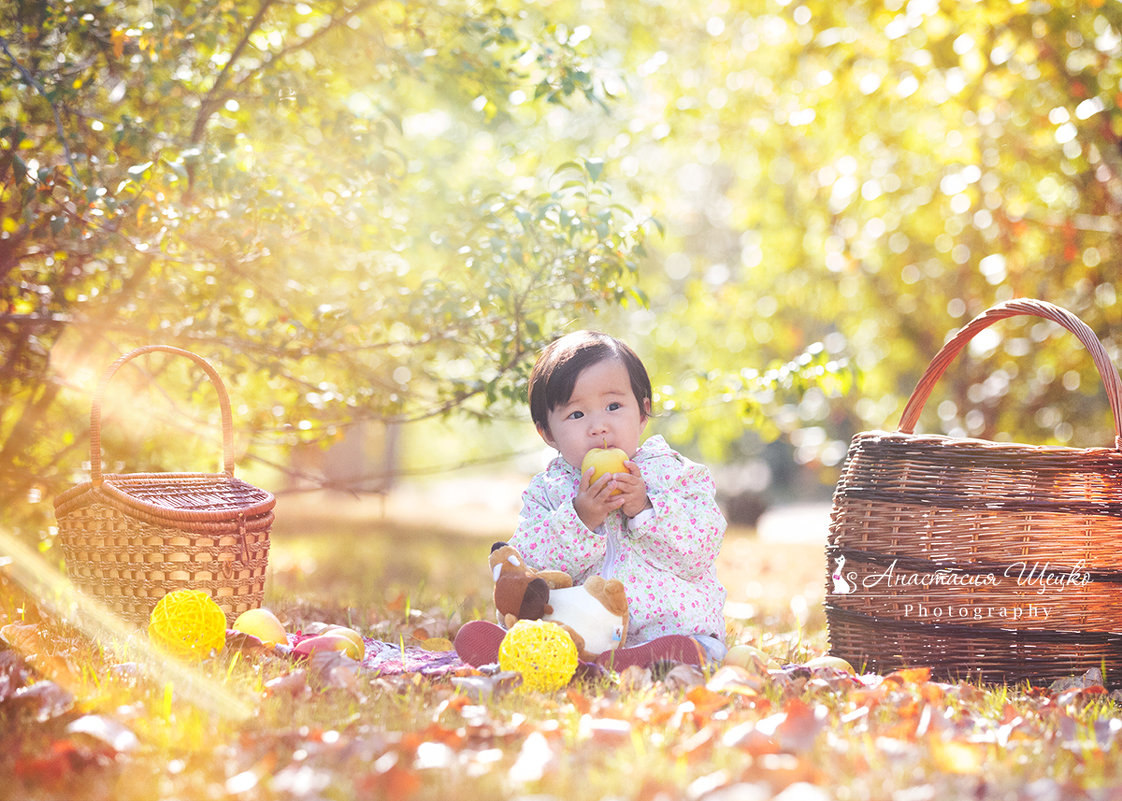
594	613
521	593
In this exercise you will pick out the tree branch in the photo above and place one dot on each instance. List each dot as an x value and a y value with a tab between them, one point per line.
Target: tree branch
210	102
38	87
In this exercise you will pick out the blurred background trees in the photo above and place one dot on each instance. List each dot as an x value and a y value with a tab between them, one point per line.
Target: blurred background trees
376	212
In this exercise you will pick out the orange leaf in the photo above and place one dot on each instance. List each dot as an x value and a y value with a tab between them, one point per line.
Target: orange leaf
396	604
706	701
395	782
579	701
910	675
747	737
655	790
931	692
908	708
118	38
734	679
800	728
435	733
698	745
954	756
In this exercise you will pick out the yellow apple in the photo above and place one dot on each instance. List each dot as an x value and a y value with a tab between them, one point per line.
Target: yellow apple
828	661
602	461
262	624
328	642
359	650
747	656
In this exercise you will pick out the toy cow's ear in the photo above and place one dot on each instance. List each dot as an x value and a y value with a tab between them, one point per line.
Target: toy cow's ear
534	600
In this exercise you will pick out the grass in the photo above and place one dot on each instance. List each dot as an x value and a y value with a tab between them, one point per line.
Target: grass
69	705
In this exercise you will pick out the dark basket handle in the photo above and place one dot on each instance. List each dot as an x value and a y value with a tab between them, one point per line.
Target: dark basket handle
1013	308
212	374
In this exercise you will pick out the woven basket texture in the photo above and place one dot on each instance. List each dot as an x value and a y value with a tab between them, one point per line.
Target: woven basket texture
128	539
995	561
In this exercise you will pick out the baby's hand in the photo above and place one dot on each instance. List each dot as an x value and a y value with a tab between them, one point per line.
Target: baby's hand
595	502
632	489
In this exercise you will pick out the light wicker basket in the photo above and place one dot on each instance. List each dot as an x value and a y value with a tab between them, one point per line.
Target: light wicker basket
996	561
128	539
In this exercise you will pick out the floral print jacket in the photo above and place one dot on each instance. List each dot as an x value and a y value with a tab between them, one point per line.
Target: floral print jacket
664	556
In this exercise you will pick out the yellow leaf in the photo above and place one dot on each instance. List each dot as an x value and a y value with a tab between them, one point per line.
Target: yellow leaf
118	38
10	225
954	756
437	644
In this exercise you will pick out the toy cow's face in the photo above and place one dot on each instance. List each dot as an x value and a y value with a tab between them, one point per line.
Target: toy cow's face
505	560
521	596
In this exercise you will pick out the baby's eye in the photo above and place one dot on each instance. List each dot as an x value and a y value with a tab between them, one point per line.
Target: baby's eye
614	405
575	415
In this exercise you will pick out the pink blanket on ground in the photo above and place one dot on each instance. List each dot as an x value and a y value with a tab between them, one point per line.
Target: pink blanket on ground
390	659
393	659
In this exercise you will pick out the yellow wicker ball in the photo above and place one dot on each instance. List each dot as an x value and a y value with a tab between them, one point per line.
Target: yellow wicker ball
542	652
188	624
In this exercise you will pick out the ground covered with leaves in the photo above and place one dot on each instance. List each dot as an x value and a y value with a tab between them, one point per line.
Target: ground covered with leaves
81	720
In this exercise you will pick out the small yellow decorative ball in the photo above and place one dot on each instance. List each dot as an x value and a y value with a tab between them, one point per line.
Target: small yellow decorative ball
542	652
188	624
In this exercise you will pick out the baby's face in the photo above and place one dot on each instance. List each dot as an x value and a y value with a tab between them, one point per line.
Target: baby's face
602	412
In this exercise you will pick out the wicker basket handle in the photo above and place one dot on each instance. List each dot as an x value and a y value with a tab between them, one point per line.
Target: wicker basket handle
1013	308
212	374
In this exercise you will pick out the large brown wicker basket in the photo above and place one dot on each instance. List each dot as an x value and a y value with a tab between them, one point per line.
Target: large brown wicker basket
129	539
996	561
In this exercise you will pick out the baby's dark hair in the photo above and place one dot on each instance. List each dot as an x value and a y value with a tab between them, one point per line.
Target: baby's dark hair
555	373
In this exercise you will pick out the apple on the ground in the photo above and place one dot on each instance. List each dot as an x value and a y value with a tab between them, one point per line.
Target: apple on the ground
262	624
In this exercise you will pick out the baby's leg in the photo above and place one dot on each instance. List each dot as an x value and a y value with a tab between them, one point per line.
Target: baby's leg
672	647
477	642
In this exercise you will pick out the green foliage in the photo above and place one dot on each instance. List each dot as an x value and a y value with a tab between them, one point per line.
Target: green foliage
378	211
336	203
868	176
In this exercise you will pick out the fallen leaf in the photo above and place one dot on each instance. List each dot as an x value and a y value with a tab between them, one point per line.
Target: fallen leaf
480	687
698	745
437	644
294	685
105	730
684	677
301	781
738	680
706	701
44	700
800	726
245	643
658	790
955	756
634	678
604	730
747	737
535	759
1092	677
52	768
739	791
579	701
786	771
909	675
14	674
23	637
